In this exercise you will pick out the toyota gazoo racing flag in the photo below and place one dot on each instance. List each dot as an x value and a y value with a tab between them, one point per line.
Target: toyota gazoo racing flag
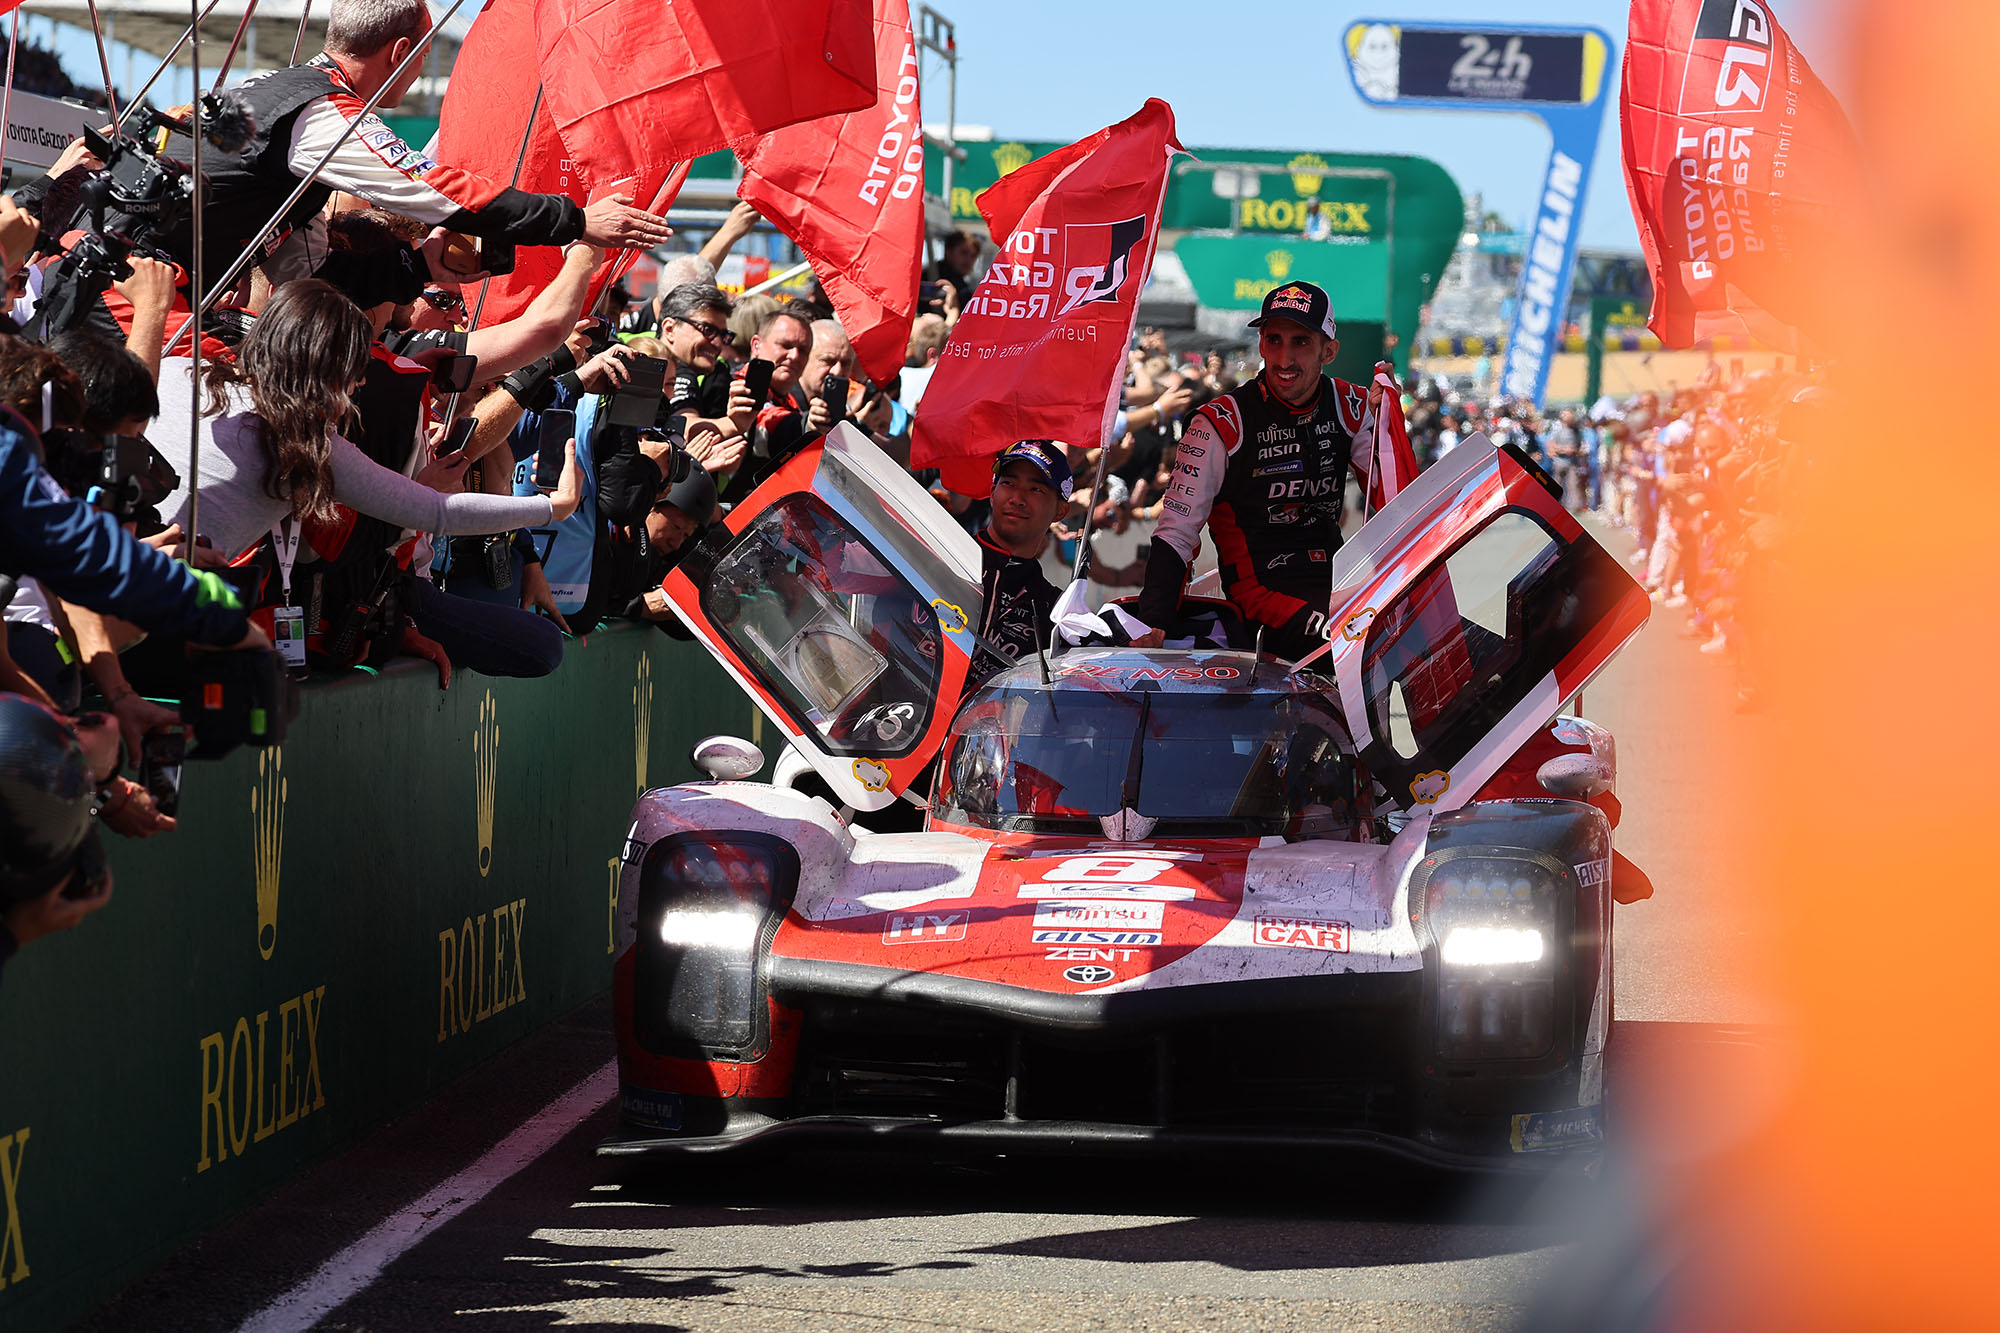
490	123
849	190
628	81
1039	351
1736	160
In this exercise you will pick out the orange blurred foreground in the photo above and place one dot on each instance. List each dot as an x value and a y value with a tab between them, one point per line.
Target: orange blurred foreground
1868	1200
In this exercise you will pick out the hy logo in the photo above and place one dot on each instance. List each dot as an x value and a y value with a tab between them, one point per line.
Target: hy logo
642	719
1280	262
486	772
1011	157
267	842
1308	172
1099	255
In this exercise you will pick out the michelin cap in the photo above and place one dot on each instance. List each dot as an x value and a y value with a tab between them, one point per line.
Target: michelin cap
1047	457
1300	302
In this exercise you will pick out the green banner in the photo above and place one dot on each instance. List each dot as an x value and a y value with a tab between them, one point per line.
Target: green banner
1356	207
341	925
1235	272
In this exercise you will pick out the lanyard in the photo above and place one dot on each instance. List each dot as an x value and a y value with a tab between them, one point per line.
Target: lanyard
285	541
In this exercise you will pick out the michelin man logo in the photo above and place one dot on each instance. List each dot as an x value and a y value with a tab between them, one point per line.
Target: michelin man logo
1430	786
1377	57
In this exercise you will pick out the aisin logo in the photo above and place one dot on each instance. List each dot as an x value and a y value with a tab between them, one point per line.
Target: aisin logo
1099	255
267	839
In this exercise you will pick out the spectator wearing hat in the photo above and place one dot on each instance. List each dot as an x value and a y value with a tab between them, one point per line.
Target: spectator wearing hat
52	867
1032	483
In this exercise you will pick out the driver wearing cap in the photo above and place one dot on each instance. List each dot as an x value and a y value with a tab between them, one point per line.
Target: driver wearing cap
1264	468
1031	489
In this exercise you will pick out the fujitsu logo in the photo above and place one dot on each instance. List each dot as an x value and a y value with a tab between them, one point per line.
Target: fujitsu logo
1099	259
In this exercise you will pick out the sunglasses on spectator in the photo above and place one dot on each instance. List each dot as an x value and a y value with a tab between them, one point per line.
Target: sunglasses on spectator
708	330
451	303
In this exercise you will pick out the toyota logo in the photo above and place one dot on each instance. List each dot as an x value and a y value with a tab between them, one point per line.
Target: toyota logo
1088	974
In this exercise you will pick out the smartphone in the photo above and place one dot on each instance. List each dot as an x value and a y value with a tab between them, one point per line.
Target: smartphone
637	402
454	372
757	378
833	392
496	256
161	755
558	427
602	335
458	436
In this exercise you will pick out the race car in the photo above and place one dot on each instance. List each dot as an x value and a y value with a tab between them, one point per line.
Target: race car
1161	900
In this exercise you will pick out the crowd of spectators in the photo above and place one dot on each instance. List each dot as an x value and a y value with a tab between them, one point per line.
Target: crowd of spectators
1693	477
380	476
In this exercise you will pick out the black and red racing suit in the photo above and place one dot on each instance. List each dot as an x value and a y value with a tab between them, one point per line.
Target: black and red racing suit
1269	480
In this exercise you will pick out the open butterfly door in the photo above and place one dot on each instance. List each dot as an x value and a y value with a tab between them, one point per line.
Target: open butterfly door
1465	614
841	596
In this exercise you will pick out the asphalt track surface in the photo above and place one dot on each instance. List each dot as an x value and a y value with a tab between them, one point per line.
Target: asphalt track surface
486	1209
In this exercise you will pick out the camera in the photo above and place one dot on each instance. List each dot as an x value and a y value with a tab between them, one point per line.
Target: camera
242	697
120	474
132	204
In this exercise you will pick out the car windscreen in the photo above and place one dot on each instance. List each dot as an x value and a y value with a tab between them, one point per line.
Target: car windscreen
1202	764
850	650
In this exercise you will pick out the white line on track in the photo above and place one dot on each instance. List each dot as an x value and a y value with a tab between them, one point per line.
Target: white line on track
349	1273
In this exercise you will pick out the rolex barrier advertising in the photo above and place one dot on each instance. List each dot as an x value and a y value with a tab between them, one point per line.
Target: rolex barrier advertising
340	926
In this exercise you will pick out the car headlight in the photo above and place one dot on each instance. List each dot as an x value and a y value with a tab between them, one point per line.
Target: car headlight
1495	920
707	907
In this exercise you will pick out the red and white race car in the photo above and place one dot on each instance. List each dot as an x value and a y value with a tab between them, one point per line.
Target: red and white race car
1162	899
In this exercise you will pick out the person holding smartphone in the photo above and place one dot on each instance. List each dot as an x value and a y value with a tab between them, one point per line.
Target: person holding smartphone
694	326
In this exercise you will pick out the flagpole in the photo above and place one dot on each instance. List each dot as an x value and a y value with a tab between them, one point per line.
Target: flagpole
675	178
299	42
235	44
778	279
103	61
7	96
520	161
175	50
194	276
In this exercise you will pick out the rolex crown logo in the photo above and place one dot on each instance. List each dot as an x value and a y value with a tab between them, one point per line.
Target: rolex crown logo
1308	173
1280	262
1011	157
486	771
267	842
642	719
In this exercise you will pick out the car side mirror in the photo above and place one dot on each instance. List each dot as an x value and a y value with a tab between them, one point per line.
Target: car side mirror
726	758
1576	777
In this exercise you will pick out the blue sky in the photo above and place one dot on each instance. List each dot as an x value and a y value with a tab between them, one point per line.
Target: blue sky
1256	74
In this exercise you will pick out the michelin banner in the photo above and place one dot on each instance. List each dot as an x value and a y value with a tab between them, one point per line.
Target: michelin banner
1554	74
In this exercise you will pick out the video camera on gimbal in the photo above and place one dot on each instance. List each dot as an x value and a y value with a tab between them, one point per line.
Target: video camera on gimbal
132	205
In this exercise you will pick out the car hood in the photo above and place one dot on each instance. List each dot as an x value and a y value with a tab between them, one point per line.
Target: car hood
1072	915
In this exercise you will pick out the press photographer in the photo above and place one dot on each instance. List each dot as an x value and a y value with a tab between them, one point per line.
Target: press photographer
52	867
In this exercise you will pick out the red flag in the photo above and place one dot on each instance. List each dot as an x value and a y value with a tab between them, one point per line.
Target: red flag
1384	458
850	191
481	129
628	82
1736	160
1039	351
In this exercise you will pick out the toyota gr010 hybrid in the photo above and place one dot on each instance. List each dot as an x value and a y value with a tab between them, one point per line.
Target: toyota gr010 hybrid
1161	899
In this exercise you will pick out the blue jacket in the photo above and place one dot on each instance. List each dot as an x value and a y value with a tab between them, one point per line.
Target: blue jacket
83	556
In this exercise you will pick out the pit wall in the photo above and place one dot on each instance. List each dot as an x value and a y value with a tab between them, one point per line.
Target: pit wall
341	926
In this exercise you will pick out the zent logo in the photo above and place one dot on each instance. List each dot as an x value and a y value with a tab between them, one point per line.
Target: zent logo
1099	255
1088	974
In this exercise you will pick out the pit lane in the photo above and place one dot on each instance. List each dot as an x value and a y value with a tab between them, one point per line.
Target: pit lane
487	1209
